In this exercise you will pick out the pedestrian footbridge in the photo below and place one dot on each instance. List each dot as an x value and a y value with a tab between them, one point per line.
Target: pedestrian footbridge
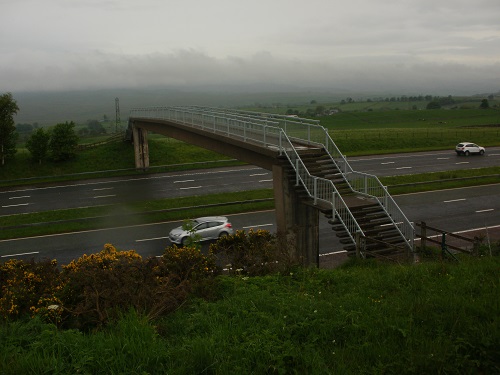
310	175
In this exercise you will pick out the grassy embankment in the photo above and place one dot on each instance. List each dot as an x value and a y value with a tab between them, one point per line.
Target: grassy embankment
437	318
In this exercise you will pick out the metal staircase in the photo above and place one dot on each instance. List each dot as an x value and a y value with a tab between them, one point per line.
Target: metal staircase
380	235
364	216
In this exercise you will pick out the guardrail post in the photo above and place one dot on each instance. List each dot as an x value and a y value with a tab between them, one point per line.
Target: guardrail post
423	236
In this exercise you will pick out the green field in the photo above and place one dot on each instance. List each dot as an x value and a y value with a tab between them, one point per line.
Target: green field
354	132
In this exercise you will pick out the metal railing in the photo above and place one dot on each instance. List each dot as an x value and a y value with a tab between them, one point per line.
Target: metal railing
286	134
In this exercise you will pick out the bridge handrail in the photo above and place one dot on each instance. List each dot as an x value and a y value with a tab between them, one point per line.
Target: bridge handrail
265	128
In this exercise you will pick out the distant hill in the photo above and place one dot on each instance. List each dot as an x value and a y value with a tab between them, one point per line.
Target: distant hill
49	108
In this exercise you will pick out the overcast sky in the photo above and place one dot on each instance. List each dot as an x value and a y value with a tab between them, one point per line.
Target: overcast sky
408	46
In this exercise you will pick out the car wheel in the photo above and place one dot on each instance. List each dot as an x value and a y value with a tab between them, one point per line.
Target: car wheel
481	152
223	234
184	241
466	153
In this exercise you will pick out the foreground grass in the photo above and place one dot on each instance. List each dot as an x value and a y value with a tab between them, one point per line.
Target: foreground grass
363	318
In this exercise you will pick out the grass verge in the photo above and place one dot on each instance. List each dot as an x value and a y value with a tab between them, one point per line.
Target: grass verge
109	216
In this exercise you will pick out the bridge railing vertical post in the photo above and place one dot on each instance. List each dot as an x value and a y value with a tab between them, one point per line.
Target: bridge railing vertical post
315	199
280	143
297	172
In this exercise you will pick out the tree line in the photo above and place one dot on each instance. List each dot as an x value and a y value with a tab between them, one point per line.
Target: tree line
57	143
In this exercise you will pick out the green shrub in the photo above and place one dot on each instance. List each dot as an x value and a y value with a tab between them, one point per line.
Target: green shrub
253	253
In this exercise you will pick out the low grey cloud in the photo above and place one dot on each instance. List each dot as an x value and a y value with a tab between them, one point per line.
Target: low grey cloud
383	45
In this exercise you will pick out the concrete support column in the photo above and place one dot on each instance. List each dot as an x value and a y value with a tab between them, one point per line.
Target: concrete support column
297	221
141	148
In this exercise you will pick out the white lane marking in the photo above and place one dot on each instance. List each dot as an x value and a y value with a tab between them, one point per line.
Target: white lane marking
151	239
121	181
333	253
454	200
389	162
404	168
191	187
180	182
15	205
462	162
21	197
258	174
258	226
442	158
266	180
104	196
16	255
493	154
487	210
107	188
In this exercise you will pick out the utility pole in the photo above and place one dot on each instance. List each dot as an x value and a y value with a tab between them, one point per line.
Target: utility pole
117	118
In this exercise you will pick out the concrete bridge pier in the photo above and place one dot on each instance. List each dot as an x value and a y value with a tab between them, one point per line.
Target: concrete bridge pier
141	148
298	222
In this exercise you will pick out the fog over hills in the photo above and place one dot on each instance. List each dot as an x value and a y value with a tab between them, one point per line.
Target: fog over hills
52	107
49	108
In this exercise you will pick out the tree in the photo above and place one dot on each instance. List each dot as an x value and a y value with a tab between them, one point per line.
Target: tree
63	141
95	127
320	109
484	104
433	105
38	145
8	134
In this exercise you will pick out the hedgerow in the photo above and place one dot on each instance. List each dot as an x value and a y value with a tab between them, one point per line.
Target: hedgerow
95	289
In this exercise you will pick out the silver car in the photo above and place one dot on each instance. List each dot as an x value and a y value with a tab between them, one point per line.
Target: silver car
202	228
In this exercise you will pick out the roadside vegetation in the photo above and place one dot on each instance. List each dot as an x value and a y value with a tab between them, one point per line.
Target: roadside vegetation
114	312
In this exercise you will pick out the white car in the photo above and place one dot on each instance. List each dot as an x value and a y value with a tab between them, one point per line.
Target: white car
468	148
202	228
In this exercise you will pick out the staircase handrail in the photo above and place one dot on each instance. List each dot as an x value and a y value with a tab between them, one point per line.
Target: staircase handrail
319	188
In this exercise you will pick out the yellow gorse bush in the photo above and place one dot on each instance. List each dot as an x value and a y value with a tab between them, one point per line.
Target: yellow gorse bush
188	262
24	285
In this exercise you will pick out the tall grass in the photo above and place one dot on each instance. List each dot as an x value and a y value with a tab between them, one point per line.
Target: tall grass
364	318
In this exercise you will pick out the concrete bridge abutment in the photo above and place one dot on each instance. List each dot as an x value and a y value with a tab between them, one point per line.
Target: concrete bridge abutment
296	221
